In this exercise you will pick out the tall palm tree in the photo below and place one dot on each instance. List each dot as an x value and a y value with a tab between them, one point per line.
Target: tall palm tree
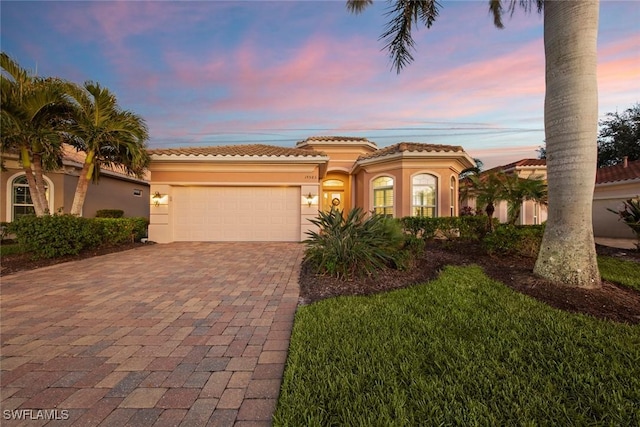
32	112
108	135
567	255
517	190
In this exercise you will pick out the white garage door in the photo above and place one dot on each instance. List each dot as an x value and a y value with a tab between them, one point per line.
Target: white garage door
236	214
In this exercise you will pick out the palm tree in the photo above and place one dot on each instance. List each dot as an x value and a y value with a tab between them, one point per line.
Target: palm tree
487	189
107	134
32	111
567	255
517	190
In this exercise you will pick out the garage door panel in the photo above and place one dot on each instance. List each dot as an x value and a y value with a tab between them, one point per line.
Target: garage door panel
236	213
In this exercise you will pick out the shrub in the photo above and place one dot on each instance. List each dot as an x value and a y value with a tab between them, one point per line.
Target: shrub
60	235
630	214
4	230
110	213
521	240
355	244
465	227
55	235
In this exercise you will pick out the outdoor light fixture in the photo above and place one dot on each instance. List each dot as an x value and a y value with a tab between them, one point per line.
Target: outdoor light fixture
156	198
310	199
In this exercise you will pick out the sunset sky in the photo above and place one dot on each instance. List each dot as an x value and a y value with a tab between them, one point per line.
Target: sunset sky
276	72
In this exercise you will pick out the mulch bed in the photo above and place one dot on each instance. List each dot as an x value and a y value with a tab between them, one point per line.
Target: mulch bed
617	303
22	262
611	301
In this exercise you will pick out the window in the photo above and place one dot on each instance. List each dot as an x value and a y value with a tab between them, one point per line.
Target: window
424	191
452	196
383	195
21	202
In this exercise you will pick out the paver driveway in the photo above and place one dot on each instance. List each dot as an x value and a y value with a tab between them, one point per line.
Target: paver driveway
178	334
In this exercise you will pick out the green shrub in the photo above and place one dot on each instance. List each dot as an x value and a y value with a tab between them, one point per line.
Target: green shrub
355	244
464	227
522	240
60	235
630	214
55	235
110	213
4	230
116	231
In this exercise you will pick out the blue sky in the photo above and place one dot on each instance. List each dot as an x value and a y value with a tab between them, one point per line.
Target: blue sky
276	72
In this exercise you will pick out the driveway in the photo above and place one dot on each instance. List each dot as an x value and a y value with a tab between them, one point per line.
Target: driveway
180	334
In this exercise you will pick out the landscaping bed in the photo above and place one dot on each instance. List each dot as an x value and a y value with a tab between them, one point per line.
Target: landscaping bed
611	301
16	262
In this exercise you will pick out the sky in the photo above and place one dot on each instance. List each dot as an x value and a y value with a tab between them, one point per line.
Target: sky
276	72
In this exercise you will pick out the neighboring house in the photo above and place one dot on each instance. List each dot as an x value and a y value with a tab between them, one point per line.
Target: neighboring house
614	185
532	213
115	190
269	193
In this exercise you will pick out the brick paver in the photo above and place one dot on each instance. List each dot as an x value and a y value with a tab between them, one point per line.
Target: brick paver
178	334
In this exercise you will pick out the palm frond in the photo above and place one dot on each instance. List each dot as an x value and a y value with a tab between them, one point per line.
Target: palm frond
358	6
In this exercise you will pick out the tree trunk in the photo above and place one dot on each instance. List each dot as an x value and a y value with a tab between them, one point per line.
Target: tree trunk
490	210
41	193
83	185
33	188
567	254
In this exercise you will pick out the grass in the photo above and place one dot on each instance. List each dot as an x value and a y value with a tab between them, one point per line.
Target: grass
461	350
620	271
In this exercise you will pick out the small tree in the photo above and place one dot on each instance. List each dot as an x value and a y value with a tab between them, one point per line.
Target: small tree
487	189
517	190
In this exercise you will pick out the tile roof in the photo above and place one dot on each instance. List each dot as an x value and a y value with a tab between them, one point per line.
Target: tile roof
339	139
618	172
519	164
413	147
248	150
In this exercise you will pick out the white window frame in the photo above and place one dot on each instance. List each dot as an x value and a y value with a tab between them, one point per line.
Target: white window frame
9	194
415	207
385	209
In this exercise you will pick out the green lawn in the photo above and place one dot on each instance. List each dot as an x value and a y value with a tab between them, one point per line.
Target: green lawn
461	350
620	271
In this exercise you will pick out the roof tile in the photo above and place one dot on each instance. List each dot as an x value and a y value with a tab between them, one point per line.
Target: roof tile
412	147
250	150
618	172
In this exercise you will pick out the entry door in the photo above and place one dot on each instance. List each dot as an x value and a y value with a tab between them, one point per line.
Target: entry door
332	198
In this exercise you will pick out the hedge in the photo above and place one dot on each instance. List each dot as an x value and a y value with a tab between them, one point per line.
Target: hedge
60	235
464	227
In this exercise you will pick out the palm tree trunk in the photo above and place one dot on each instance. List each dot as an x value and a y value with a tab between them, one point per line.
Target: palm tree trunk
567	254
33	188
41	193
83	185
490	210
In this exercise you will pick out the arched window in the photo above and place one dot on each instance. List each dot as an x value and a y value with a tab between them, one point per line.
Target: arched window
383	195
424	190
21	202
452	196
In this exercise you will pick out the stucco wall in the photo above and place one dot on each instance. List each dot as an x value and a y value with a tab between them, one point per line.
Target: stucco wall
612	195
110	193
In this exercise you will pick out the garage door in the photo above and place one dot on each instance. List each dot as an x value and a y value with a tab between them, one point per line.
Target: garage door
236	214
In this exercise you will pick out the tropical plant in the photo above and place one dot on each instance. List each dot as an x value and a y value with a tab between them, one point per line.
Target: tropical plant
487	189
516	190
630	214
567	255
109	135
33	110
354	244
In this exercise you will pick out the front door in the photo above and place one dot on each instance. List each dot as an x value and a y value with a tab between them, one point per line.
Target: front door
332	198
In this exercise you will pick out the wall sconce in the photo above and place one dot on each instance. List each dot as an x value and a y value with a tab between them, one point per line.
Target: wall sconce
157	198
310	198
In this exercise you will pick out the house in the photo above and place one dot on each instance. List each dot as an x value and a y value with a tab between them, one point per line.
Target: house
532	213
269	193
115	190
614	185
